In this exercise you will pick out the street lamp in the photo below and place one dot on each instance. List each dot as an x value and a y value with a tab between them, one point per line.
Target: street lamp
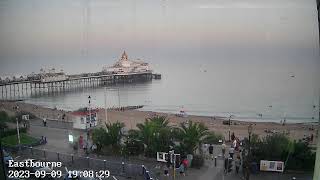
250	133
17	121
89	109
105	106
248	158
229	127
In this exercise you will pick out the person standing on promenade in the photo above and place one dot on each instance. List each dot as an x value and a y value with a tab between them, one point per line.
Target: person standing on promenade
237	163
166	170
44	122
182	169
211	151
223	148
231	152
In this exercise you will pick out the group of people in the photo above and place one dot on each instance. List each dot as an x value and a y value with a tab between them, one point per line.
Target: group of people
182	167
85	145
43	140
233	153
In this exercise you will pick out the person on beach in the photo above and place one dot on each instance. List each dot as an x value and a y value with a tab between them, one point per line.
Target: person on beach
211	151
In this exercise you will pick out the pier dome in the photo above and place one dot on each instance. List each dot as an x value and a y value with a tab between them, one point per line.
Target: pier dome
124	66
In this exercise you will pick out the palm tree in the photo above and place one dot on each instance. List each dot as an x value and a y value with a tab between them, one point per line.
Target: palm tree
191	135
154	133
114	133
100	137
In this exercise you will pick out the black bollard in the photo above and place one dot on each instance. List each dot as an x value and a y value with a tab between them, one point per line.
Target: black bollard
215	161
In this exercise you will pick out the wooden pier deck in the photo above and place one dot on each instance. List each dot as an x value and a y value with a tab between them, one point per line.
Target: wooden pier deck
22	88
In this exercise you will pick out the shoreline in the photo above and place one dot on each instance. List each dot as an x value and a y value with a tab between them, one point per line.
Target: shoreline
132	117
264	119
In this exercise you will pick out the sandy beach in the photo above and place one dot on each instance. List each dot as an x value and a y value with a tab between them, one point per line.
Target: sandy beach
132	117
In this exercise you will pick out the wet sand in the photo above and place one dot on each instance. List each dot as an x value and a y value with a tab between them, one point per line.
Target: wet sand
132	117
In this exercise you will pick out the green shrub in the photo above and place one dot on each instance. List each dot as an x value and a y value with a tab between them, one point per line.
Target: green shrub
13	140
197	161
4	116
10	132
302	158
278	147
272	147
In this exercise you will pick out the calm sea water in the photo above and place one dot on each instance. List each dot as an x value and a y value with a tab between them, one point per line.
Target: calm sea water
222	88
223	59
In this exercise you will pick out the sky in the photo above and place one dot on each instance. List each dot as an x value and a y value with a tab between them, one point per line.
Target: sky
58	33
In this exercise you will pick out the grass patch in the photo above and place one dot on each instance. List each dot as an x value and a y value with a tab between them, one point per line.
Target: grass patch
13	140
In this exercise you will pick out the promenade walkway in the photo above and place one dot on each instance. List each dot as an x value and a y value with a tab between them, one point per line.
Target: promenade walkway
57	137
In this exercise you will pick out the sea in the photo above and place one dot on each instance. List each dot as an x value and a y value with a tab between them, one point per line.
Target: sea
246	90
254	61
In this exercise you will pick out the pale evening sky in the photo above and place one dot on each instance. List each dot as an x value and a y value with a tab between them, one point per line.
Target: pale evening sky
36	33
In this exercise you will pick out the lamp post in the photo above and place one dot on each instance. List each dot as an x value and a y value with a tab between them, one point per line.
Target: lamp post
119	97
248	158
87	131
105	106
229	127
17	121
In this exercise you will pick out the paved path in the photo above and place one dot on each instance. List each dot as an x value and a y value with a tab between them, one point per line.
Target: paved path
56	134
52	123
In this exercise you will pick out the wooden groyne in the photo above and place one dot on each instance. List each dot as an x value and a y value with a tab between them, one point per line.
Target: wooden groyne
125	108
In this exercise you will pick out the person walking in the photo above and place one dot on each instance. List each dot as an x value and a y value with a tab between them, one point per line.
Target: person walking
211	151
237	163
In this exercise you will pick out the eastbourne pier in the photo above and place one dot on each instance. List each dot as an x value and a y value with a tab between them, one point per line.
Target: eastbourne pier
50	81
